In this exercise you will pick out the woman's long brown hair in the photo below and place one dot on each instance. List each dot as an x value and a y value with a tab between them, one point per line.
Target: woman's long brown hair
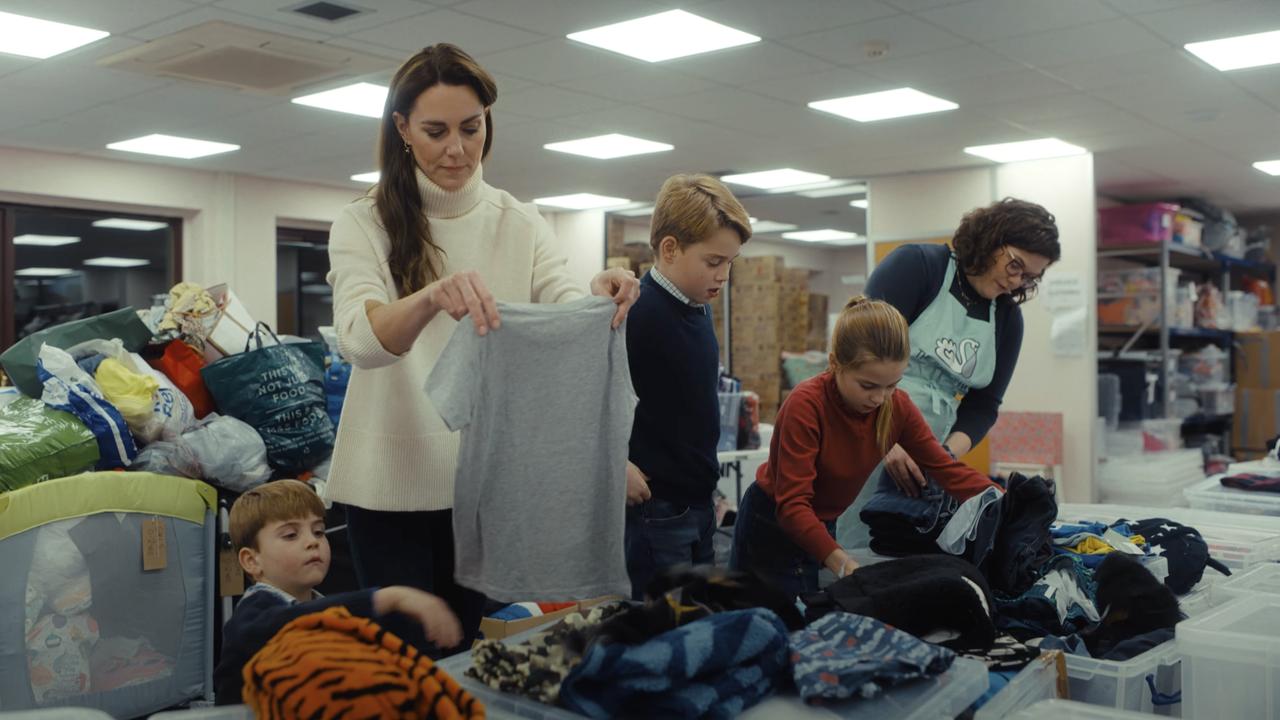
415	259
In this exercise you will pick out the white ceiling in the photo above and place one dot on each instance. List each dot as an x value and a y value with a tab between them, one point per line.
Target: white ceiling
1106	74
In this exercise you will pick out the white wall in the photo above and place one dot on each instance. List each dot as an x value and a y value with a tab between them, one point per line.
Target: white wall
582	235
926	205
229	221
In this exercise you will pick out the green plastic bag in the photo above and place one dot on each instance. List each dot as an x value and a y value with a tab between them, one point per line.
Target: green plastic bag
20	360
279	391
39	443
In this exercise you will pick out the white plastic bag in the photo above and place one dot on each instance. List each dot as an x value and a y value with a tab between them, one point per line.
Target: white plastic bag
231	453
68	387
174	413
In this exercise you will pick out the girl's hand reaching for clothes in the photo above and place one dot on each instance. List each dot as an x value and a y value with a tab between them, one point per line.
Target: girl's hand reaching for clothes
904	471
620	285
840	564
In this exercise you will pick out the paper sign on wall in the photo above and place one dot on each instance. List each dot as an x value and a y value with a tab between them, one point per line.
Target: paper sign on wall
1063	291
1067	335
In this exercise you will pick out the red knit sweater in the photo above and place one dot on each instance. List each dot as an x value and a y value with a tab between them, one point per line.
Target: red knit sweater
822	453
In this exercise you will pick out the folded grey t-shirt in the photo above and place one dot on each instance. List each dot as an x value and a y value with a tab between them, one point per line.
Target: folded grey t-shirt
545	405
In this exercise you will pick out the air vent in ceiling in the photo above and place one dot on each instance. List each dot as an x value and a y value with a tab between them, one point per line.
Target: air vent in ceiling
332	12
246	59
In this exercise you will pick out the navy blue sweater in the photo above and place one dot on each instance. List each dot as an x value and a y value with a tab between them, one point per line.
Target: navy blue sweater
675	370
910	278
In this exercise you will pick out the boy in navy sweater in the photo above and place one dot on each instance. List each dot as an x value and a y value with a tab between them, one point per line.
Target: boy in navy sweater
697	231
278	532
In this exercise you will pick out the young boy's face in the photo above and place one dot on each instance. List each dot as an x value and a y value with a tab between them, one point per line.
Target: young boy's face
700	270
292	555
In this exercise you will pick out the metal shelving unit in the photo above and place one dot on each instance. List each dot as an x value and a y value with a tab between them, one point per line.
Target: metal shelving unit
1220	268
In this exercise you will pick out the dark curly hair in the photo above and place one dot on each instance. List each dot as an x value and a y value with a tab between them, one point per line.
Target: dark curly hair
1017	223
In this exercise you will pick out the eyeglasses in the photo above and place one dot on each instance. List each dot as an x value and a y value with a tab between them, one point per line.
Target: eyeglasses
1017	267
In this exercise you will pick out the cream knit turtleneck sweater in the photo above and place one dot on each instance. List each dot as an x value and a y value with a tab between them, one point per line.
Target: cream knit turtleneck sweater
393	450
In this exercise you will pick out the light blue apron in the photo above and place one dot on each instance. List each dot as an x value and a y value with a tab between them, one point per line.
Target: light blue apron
950	354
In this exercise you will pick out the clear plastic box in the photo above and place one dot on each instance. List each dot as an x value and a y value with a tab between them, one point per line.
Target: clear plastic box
1211	495
1152	479
1231	660
1034	683
1122	684
1071	710
1238	541
1261	579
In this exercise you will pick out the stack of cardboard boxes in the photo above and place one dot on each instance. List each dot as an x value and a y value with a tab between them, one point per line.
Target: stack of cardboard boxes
1257	376
756	325
817	338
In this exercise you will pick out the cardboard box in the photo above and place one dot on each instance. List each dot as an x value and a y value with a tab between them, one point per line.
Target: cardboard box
1256	422
492	629
1257	360
756	270
618	262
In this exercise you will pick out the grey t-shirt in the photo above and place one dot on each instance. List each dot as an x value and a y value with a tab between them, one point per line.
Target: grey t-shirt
545	406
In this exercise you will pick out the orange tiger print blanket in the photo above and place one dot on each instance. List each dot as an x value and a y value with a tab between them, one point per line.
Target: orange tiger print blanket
332	664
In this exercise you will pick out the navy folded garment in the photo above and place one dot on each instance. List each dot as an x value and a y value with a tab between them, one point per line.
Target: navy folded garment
716	667
844	655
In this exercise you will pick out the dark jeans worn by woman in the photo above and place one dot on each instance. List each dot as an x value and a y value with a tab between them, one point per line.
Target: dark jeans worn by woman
414	549
762	547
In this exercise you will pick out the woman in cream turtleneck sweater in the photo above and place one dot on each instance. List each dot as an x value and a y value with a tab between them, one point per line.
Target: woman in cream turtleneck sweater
431	244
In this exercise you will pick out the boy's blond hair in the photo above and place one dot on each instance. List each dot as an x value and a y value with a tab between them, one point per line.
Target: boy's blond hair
274	501
690	207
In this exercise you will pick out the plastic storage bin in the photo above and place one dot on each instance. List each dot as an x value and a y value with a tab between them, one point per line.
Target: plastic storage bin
1211	495
1109	399
1034	683
1071	710
1261	579
1164	434
1231	660
82	624
1238	541
1136	224
1123	684
730	406
1154	480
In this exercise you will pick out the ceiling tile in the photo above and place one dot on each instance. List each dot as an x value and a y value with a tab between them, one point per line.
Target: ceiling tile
1049	108
992	89
772	19
806	88
1263	83
751	113
552	102
751	63
114	16
904	34
968	61
558	18
1075	129
472	34
1139	7
1167	65
208	13
556	61
918	5
984	20
640	84
1086	42
377	14
1213	21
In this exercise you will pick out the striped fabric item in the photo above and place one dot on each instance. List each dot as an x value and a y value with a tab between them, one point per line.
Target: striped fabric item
331	664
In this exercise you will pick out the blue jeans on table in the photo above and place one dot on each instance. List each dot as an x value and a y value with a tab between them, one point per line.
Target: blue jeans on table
762	547
661	534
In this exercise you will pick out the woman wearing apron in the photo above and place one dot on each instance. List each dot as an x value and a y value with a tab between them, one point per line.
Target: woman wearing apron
966	332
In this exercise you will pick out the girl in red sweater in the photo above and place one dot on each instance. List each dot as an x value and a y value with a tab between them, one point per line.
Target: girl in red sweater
830	434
